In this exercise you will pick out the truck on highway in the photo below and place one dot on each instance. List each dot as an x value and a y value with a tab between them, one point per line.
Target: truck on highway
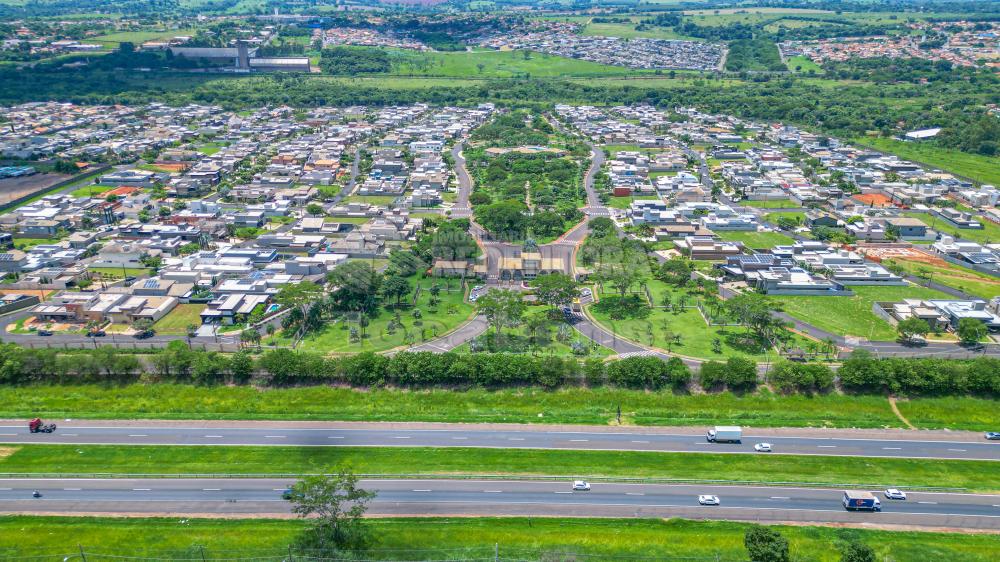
725	434
861	501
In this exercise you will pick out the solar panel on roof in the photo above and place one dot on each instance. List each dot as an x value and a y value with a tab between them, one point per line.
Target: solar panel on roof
151	284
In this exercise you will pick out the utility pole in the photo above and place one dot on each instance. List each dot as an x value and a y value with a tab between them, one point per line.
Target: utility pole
496	552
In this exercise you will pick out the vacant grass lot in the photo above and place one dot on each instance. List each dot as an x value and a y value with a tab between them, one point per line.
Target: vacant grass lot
178	319
990	233
802	63
497	64
951	413
475	538
808	469
962	278
985	169
756	239
628	31
853	316
573	405
139	37
778	204
434	322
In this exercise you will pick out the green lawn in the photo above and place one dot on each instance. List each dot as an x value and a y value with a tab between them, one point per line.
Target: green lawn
383	200
29	243
779	204
800	469
985	169
178	319
853	316
794	215
497	64
476	538
962	278
626	202
140	37
451	312
93	190
989	234
755	239
118	272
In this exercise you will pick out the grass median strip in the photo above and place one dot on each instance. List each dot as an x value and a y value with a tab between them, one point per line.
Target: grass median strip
474	538
980	476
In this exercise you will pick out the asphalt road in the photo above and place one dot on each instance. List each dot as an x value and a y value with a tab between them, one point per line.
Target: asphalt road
489	497
636	440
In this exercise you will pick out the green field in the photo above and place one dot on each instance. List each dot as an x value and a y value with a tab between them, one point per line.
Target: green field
93	190
628	31
383	200
29	243
476	538
780	204
497	64
794	215
853	316
118	272
140	37
985	169
976	476
755	239
451	312
177	320
803	64
964	279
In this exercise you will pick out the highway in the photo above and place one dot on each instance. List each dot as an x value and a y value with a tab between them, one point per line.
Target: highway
491	497
523	437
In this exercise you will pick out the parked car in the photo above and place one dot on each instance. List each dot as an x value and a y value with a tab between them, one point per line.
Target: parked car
709	500
581	486
44	332
993	435
96	334
894	494
146	334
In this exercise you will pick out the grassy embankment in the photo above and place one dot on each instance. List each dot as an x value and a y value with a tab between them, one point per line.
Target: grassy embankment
977	476
574	405
452	538
978	167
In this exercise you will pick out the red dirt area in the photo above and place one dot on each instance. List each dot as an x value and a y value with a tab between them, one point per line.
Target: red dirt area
122	191
873	200
878	254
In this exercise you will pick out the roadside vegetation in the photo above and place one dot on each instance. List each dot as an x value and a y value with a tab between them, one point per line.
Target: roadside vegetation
450	538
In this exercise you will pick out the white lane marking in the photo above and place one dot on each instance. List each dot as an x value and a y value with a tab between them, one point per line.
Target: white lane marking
827	446
702	443
780	498
421	490
214	436
929	503
556	492
401	437
492	491
993	506
336	437
278	489
640	441
578	440
634	494
957	450
211	489
69	434
515	439
71	489
274	437
8	489
892	448
8	434
137	435
141	489
460	438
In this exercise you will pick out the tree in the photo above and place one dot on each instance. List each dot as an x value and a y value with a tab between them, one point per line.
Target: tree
857	552
357	284
970	331
315	209
336	506
555	289
912	327
397	287
502	308
764	544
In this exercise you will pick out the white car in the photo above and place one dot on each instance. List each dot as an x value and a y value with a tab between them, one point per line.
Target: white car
894	494
762	447
709	500
581	486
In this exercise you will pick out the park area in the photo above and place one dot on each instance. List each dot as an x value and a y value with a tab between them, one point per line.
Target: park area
393	327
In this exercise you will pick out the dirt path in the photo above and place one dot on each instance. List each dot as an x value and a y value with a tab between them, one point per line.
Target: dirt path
895	410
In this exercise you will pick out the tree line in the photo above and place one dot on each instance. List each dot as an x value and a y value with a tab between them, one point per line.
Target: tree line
284	367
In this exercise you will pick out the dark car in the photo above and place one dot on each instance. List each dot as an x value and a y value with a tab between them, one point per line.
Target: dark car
993	435
286	494
44	332
97	334
143	335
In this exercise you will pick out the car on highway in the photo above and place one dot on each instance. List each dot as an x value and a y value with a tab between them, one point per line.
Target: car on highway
895	494
993	435
709	500
581	486
762	447
286	494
